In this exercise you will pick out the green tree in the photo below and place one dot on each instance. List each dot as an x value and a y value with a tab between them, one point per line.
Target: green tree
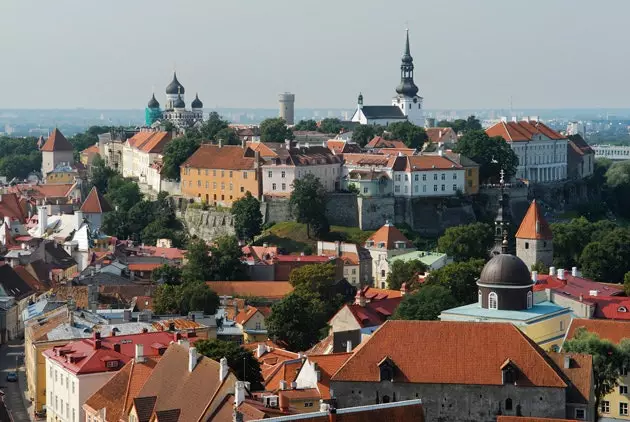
275	130
123	193
492	154
226	260
212	126
167	274
460	278
245	366
404	272
100	174
467	242
228	136
569	239
330	125
413	136
608	259
608	359
308	201
197	296
198	263
425	304
362	134
539	267
176	153
317	279
626	283
617	189
139	216
115	224
166	299
16	166
298	320
461	125
309	125
247	217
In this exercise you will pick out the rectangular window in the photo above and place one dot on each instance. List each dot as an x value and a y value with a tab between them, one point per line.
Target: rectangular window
434	188
623	409
443	176
242	189
198	172
405	189
470	183
230	173
624	371
214	172
365	190
61	402
270	173
415	177
72	387
469	172
623	389
424	177
244	175
435	176
424	188
406	177
273	186
198	183
605	407
454	176
206	172
222	173
214	185
443	188
580	414
398	177
231	186
454	187
283	174
284	186
207	185
415	188
222	186
397	189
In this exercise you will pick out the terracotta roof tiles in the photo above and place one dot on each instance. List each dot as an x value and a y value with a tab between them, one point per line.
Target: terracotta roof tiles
267	289
380	142
228	157
327	366
57	142
534	225
150	142
10	207
614	331
430	162
579	375
95	203
522	131
389	235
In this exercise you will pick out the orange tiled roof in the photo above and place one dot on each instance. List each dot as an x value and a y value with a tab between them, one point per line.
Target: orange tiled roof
328	365
91	150
43	191
522	131
150	142
264	150
245	315
614	331
389	235
434	340
579	375
267	289
57	142
437	134
95	203
10	207
430	162
534	225
287	370
380	142
228	157
373	293
147	266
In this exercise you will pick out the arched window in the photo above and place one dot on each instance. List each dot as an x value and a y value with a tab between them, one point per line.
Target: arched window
385	399
508	404
479	297
493	301
530	300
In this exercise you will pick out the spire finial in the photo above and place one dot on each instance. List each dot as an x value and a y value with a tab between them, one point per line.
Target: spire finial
407	49
502	179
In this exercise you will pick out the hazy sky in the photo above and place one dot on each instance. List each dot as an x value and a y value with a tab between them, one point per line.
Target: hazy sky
236	53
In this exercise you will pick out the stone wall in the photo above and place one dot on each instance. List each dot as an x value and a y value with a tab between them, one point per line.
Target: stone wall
276	210
342	209
373	212
208	225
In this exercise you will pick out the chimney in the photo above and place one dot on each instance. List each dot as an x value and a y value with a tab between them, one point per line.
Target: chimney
260	350
349	346
360	298
220	143
567	361
97	344
171	326
323	407
283	385
117	347
561	274
112	333
224	369
239	392
332	414
403	289
574	271
139	353
192	358
293	385
78	219
581	297
177	337
283	401
552	271
244	143
42	219
96	335
535	276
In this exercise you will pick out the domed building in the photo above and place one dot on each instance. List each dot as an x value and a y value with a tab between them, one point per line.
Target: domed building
505	294
174	108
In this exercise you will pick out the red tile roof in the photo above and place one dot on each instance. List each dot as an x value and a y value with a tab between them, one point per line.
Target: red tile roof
317	259
614	331
145	266
95	203
383	159
373	293
150	142
228	157
263	148
10	207
575	287
438	134
374	313
245	315
266	289
260	254
580	146
522	131
389	235
578	376
380	142
57	142
28	278
534	225
466	353
430	162
341	147
287	370
611	307
43	191
327	366
91	150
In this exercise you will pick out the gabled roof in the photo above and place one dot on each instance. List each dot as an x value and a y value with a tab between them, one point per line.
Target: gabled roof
439	134
383	112
578	375
374	313
534	225
391	161
95	203
227	157
574	287
267	289
430	162
13	284
579	145
285	371
481	349
380	142
93	149
614	331
150	142
337	146
10	207
327	366
245	315
389	235
523	131
57	142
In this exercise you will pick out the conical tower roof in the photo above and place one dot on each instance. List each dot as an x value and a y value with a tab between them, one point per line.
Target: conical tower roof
534	225
57	142
95	203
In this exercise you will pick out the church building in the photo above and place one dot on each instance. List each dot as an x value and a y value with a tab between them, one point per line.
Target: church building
175	108
406	104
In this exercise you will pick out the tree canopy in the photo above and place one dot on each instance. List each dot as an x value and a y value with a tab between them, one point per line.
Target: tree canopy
184	298
404	272
275	130
467	241
247	217
308	204
492	154
169	274
314	278
176	153
425	304
413	136
212	126
460	278
608	259
330	125
19	157
308	125
244	364
225	260
462	125
362	134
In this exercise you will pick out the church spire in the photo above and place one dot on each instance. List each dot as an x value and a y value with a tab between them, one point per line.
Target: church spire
503	222
407	87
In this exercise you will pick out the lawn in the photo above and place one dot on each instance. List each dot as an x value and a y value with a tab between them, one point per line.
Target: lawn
291	236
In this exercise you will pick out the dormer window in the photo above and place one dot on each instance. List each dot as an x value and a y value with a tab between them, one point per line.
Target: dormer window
369	243
400	245
111	364
381	244
387	370
509	373
622	309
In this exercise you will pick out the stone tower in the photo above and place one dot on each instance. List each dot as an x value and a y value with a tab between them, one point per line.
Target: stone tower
56	150
534	240
286	104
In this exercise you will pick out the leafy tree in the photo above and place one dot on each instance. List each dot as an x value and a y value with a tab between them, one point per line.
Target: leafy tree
166	299
461	125
425	304
310	125
19	166
198	263
176	153
413	136
492	154
212	126
467	242
197	296
298	320
362	134
247	217
404	272
275	130
617	189
539	267
460	278
240	360
315	278
139	216
228	136
608	359
168	274
81	141
330	125
308	201
608	259
100	174
115	224
226	260
626	283
569	239
123	193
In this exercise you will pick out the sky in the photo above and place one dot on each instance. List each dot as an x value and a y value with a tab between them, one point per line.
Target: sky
242	53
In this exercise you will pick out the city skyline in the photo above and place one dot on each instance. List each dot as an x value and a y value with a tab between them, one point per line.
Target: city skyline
237	54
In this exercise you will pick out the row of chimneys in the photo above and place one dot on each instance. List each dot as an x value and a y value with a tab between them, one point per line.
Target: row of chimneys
560	273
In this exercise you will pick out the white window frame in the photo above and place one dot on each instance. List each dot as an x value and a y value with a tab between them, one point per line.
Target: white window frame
605	406
493	299
624	406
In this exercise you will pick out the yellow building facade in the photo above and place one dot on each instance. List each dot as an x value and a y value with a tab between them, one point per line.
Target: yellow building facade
252	322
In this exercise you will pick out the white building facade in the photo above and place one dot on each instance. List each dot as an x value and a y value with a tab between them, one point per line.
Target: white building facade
140	152
429	176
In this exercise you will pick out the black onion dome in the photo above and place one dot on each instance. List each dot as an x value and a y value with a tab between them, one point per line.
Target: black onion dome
407	87
175	87
153	103
196	102
179	103
504	270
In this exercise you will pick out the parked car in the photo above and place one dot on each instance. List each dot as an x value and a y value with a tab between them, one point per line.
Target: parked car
12	377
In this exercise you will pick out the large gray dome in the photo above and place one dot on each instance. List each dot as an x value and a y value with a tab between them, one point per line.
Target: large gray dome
507	270
175	87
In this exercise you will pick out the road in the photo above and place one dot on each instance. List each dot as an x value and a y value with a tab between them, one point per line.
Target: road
9	354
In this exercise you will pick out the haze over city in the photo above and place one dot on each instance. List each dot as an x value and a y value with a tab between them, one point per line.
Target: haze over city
71	53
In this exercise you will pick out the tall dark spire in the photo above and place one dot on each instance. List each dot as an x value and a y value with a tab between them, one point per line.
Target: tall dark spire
503	223
407	87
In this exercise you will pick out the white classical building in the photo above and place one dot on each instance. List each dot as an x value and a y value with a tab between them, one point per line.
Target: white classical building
429	176
541	151
141	151
406	105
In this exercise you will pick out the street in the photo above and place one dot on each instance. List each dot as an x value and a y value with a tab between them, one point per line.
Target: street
9	354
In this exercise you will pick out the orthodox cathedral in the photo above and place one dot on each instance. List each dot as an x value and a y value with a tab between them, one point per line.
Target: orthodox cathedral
406	105
175	108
